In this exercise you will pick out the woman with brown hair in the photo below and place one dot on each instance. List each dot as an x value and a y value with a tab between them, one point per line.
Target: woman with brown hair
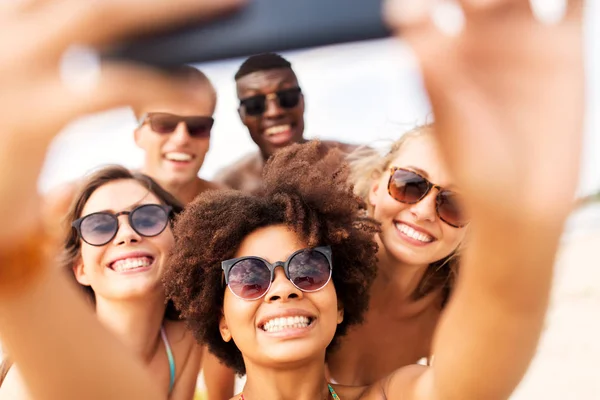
116	250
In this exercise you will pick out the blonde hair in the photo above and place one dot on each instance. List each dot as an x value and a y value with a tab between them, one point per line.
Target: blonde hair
367	165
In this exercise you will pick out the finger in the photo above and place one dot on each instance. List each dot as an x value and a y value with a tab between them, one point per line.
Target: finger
64	22
119	84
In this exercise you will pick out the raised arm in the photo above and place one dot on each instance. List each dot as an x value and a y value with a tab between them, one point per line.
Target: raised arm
507	95
61	351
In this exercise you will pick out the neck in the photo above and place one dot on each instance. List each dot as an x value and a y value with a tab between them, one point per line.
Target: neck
136	322
305	382
397	282
184	192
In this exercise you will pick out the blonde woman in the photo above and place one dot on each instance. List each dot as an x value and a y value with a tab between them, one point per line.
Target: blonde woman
411	193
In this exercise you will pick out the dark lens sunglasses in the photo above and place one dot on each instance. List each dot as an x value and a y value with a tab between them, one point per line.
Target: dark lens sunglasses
197	126
250	278
257	105
408	187
99	228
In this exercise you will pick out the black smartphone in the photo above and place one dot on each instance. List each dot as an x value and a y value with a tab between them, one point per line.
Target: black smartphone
261	26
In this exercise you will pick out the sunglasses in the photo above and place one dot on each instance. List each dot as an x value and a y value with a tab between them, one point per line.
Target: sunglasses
257	105
198	127
250	278
408	187
99	228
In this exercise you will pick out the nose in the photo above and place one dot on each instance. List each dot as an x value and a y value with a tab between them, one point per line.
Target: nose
181	134
425	210
272	108
125	233
282	289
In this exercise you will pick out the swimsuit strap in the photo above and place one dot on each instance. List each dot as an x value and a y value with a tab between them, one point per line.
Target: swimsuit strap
163	335
333	393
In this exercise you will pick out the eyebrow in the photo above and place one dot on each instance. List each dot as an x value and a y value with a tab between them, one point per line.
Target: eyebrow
426	175
130	208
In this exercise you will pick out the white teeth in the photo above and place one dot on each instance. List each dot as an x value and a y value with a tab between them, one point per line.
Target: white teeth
279	324
131	263
175	156
277	129
410	232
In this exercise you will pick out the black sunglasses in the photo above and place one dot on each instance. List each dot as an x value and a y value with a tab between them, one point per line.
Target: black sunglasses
250	278
99	228
197	126
408	187
257	105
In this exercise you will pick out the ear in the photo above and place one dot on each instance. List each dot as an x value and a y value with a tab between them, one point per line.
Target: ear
137	137
373	193
80	274
340	316
225	334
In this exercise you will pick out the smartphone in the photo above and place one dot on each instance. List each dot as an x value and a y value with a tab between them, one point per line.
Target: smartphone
259	27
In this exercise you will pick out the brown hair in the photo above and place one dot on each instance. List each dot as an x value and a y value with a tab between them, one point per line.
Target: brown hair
368	165
72	247
304	187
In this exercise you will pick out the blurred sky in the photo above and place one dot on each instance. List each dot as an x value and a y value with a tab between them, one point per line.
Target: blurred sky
359	93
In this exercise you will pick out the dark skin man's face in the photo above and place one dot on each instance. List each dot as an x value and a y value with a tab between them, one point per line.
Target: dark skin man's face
277	126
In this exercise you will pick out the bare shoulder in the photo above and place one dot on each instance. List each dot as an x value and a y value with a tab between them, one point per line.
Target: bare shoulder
400	385
250	162
13	387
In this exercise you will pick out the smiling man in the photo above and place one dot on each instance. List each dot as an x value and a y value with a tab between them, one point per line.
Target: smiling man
175	140
272	108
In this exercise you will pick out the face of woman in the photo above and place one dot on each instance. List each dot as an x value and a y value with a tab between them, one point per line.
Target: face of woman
413	233
130	265
271	331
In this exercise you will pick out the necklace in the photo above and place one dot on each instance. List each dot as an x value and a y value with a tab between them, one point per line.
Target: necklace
334	395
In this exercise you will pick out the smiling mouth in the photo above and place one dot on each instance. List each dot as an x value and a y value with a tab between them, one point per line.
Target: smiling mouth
285	323
179	157
413	233
131	264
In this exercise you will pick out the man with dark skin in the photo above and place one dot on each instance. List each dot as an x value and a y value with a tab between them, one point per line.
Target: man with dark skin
272	108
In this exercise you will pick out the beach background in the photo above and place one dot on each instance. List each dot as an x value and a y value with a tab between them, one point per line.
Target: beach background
371	93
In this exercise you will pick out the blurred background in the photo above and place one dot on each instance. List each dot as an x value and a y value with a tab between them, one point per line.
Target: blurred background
371	92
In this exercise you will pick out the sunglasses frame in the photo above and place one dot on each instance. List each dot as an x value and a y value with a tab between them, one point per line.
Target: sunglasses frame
77	223
147	117
227	265
270	96
430	186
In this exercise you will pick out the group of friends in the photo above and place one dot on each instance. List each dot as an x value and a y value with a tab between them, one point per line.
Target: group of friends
421	272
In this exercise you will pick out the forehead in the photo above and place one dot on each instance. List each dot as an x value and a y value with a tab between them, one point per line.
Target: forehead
204	104
273	243
422	152
118	196
267	81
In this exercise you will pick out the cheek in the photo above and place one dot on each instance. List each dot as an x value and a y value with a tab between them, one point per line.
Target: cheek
239	315
452	237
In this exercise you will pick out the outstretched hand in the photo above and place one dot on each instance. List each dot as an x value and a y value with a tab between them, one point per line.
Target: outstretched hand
35	103
507	93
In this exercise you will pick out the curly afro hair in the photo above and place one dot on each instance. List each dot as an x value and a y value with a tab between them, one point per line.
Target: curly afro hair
305	187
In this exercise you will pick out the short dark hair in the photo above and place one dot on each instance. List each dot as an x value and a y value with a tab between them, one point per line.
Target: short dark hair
305	187
262	62
99	178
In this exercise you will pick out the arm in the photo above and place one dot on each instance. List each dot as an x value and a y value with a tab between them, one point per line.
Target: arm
219	379
61	350
52	334
509	121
